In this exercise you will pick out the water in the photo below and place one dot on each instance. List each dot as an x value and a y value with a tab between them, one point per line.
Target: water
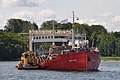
108	71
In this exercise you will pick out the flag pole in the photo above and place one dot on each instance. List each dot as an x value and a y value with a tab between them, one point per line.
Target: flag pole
73	34
53	32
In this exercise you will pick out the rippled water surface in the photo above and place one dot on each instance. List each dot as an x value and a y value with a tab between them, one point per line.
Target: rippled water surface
108	71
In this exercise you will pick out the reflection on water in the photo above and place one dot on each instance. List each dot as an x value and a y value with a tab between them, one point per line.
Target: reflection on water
108	71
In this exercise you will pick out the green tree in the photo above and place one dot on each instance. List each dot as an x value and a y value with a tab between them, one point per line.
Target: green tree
48	25
99	29
11	45
67	26
108	43
18	25
116	34
14	25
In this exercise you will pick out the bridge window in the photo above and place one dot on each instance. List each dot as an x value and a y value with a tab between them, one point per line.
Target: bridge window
56	37
79	37
48	36
33	37
84	38
45	37
36	37
39	37
42	37
61	36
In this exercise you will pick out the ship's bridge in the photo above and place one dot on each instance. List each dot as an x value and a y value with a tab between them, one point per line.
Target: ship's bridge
41	36
49	36
36	37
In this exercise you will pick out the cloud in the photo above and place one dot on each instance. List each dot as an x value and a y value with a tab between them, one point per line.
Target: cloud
44	14
92	22
96	23
116	18
24	15
113	27
28	3
2	21
106	14
35	16
48	13
1	17
80	21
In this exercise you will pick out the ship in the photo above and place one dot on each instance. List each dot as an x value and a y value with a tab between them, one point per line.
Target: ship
64	58
73	60
69	60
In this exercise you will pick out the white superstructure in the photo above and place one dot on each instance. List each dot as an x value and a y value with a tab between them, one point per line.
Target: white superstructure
36	37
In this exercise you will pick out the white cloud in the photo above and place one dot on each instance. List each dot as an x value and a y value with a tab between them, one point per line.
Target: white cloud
37	16
106	14
46	14
113	26
90	22
94	22
80	21
1	17
22	2
2	21
34	16
116	18
24	15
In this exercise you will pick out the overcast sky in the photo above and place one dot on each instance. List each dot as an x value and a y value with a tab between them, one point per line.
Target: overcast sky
103	12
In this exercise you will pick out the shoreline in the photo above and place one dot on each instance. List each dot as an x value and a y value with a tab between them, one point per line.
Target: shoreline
18	59
112	59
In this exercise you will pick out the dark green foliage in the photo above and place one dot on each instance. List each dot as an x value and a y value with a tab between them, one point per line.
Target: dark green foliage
18	25
116	34
99	29
48	25
11	45
108	43
67	26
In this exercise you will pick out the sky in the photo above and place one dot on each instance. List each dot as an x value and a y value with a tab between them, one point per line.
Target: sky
92	12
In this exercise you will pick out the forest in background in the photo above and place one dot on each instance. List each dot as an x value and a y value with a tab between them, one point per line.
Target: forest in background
13	43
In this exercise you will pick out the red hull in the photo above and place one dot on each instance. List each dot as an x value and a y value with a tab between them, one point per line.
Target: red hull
79	61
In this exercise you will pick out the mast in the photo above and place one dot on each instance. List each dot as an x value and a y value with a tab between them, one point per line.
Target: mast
73	34
53	32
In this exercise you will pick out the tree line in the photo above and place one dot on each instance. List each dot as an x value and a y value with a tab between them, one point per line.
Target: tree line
13	43
107	42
